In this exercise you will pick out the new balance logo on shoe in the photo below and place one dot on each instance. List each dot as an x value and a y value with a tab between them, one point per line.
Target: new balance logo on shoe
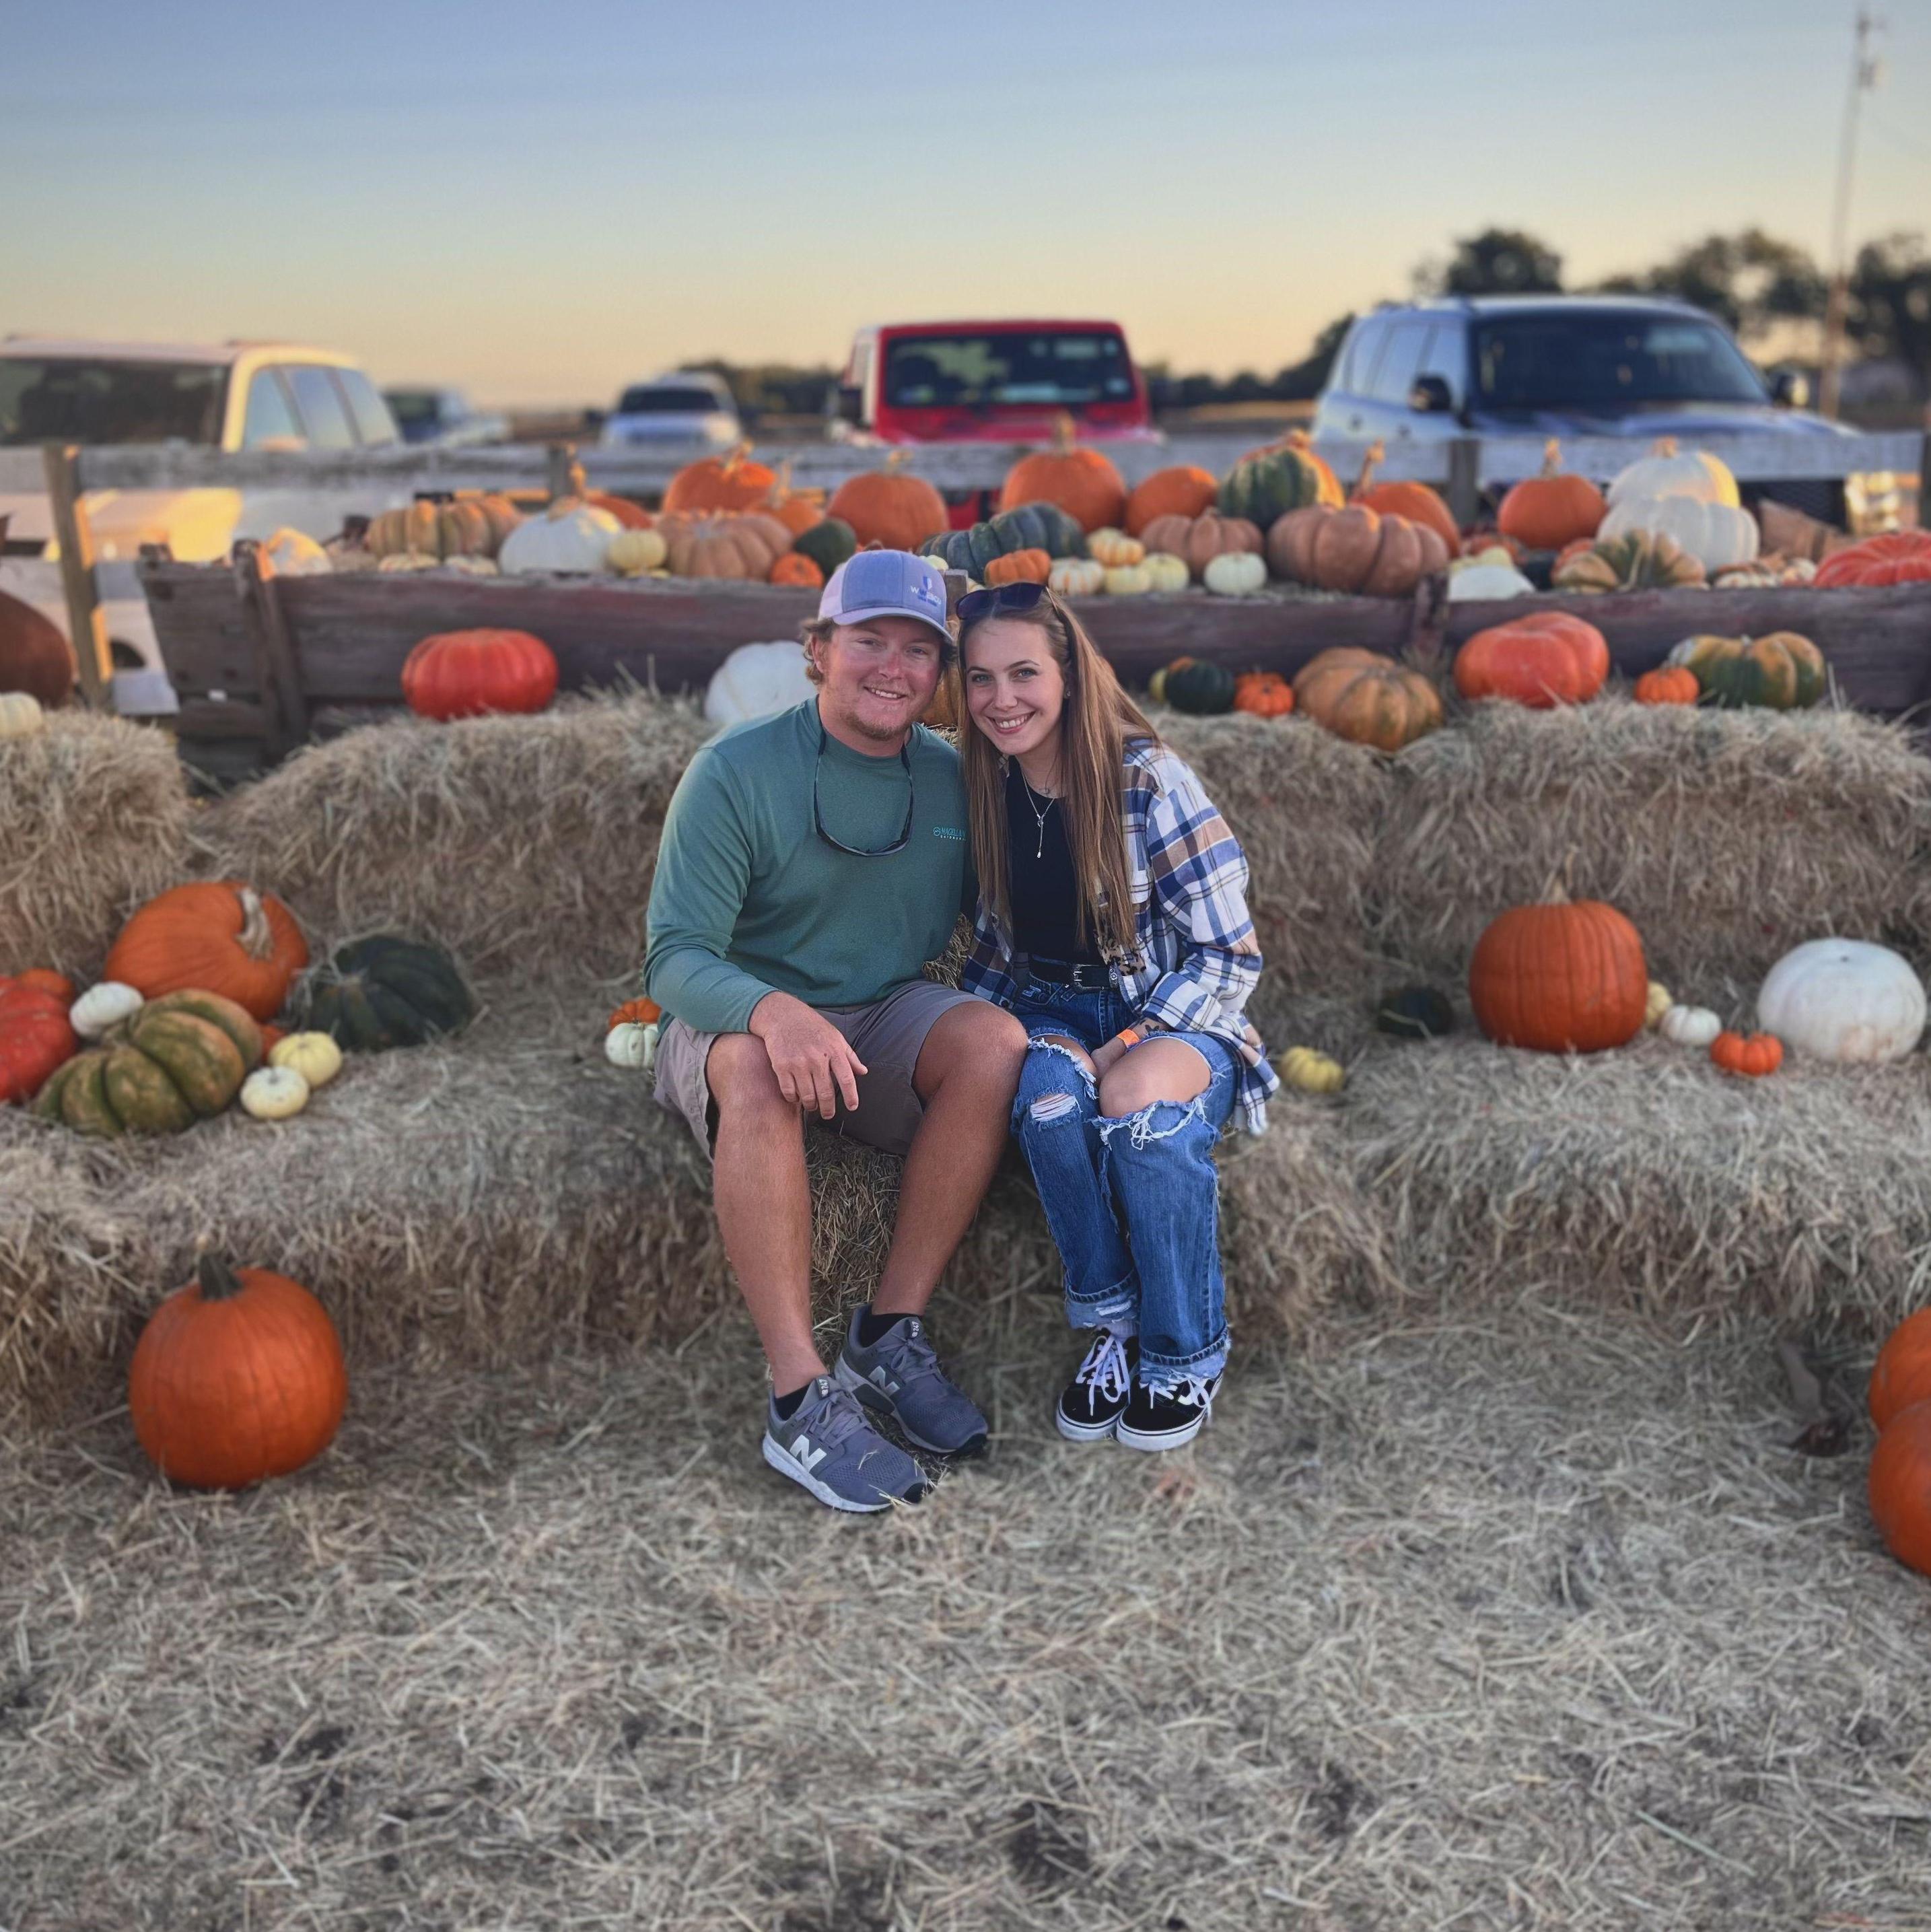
802	1449
881	1380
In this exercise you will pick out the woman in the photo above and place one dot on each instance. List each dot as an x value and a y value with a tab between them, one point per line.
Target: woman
1113	921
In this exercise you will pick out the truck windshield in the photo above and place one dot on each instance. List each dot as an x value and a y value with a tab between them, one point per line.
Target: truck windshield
973	371
74	399
654	399
1604	361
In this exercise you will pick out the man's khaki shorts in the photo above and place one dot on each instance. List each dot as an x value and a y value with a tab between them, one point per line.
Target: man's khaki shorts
887	1036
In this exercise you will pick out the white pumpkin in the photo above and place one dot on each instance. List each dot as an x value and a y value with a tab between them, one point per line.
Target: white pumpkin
315	1056
637	552
1843	1000
1485	580
757	679
1077	576
1669	471
1235	573
273	1092
572	536
293	553
1114	548
1717	536
1165	571
20	715
1476	560
1129	580
631	1045
1689	1026
102	1006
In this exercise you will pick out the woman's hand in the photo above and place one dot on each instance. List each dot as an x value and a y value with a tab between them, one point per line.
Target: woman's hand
1109	1053
813	1061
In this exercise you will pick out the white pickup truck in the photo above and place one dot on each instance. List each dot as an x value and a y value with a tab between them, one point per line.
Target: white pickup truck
227	396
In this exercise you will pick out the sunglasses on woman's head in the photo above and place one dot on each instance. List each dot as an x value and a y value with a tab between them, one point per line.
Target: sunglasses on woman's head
989	603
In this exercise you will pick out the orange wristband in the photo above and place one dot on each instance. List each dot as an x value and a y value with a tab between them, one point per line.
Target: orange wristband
1129	1035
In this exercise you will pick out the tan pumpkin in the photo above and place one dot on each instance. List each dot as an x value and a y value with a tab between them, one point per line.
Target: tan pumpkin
1355	550
725	546
1198	540
469	526
1367	698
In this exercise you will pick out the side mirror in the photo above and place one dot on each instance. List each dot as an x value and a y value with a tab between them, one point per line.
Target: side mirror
850	407
1790	389
1430	396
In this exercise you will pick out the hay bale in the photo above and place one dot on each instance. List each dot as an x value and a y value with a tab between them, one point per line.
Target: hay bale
1305	805
526	845
1645	1179
94	818
1728	837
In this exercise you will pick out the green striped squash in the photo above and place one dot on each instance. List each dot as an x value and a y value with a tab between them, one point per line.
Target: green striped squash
1780	672
1265	485
828	543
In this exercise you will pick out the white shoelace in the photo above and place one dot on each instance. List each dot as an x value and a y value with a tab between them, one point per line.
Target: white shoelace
1189	1392
1104	1369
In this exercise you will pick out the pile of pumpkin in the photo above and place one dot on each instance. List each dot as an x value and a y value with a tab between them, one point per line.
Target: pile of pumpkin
1545	659
181	1025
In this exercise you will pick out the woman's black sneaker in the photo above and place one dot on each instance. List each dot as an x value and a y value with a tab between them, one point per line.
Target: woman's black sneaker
1095	1399
1165	1417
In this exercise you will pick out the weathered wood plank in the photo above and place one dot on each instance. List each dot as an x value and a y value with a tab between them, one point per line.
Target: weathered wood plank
87	630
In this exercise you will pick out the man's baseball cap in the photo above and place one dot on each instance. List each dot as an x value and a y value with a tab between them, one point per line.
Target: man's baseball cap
886	583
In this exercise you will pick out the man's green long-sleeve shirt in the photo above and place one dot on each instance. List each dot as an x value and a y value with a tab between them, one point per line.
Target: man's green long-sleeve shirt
748	900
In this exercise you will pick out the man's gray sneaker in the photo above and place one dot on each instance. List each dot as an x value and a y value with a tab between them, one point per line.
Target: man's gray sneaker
899	1375
827	1445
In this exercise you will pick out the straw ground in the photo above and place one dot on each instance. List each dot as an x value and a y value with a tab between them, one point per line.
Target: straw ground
1530	1623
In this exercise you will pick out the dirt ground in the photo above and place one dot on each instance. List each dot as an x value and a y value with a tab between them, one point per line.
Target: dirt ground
1535	1621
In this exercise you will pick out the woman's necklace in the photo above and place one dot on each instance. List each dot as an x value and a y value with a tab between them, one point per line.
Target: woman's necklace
1040	850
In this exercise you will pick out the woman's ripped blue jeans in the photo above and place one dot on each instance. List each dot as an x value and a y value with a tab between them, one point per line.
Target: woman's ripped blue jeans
1132	1202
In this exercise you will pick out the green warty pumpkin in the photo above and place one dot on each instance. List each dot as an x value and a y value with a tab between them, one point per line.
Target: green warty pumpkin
385	992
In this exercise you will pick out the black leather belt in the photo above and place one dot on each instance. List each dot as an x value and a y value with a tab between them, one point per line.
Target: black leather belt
1083	979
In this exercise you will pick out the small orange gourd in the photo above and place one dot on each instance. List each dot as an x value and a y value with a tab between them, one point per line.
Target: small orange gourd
1019	566
1674	684
1753	1055
795	569
1264	693
635	1012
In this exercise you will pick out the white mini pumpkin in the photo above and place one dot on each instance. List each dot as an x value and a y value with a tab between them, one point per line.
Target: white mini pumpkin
1129	580
102	1006
1165	571
273	1092
20	715
1235	573
1483	580
1689	1026
1077	576
637	552
1717	536
1668	471
757	679
572	536
315	1056
1843	1000
631	1045
292	553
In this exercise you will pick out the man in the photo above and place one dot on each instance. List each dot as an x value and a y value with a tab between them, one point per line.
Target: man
811	862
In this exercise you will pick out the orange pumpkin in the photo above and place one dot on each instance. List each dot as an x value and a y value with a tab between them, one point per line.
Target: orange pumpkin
720	484
1181	490
1753	1055
1903	557
1901	1374
36	1036
1198	540
236	1377
42	979
632	516
1019	566
1542	661
1355	550
795	568
222	938
1900	1487
890	506
34	655
1546	511
1264	693
1367	698
1415	501
635	1012
1083	482
1673	684
1565	976
470	673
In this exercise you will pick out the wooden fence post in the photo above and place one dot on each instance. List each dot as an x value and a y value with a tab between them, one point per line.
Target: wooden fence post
284	706
1464	480
564	474
85	624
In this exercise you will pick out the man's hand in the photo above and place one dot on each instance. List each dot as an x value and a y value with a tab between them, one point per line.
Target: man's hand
813	1061
1108	1053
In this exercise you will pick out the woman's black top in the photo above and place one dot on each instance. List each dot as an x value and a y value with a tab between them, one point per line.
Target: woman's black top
1039	877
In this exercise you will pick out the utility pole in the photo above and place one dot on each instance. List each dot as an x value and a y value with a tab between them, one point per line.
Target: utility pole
1863	77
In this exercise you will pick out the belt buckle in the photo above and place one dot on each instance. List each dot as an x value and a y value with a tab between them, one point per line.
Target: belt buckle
1098	984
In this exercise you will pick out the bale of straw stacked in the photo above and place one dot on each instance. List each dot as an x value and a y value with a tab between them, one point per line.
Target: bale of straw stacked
94	818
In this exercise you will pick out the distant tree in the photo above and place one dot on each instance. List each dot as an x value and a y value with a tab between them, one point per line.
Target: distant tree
1749	280
1497	262
1890	309
1299	381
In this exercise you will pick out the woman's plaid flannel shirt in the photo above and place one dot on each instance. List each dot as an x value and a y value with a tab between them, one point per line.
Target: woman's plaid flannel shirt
1198	959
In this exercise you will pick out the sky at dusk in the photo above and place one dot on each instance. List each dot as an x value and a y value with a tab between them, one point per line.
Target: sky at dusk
541	204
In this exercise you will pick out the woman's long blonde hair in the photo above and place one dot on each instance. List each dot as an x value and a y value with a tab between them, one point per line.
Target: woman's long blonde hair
1097	719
